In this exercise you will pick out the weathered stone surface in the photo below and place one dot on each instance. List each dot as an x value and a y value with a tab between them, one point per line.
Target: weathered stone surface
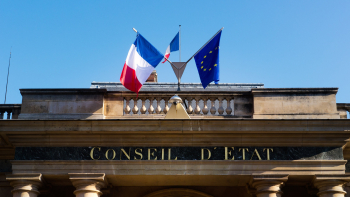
343	108
113	106
243	106
62	103
295	103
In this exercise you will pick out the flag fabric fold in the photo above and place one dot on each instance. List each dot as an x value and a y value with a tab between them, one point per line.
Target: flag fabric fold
207	61
173	46
142	59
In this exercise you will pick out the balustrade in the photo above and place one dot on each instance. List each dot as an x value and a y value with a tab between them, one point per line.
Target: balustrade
197	105
343	109
11	110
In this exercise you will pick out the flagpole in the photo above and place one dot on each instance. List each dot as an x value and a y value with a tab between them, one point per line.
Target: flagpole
204	45
166	60
8	73
179	43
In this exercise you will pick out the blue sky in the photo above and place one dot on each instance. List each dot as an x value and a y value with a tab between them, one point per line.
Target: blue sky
69	44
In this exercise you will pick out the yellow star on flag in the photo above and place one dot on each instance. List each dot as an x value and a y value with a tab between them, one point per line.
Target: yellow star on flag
202	62
215	65
210	51
205	69
202	67
209	69
205	56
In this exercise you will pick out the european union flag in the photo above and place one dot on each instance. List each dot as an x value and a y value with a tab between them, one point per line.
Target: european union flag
207	61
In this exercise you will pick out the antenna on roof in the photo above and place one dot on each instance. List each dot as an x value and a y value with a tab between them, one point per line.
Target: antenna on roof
8	73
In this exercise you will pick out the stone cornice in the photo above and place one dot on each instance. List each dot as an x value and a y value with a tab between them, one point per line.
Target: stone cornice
217	126
63	91
133	167
207	132
294	90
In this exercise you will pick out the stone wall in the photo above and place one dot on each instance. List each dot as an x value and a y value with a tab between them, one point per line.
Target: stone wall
295	103
62	104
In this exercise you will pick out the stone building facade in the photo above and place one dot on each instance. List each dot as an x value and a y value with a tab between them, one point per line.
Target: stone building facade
241	140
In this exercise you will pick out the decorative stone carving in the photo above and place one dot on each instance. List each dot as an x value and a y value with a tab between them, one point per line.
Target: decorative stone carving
88	184
127	109
158	108
205	109
166	106
266	185
135	109
331	185
221	109
189	108
143	108
151	108
228	108
197	110
212	109
25	185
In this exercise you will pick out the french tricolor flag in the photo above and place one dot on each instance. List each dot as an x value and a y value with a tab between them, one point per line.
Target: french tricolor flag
173	46
139	64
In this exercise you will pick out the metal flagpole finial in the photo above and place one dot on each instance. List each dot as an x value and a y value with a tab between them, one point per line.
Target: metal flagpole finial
134	30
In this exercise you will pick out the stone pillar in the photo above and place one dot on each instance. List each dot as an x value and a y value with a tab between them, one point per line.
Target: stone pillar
243	106
25	185
267	185
331	185
88	184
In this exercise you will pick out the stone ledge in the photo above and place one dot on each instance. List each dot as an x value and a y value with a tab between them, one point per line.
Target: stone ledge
63	91
294	90
185	87
296	116
296	167
48	116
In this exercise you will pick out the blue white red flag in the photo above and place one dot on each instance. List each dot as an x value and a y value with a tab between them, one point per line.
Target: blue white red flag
173	46
139	64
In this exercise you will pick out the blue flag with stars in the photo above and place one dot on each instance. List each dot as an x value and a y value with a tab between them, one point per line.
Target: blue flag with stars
207	61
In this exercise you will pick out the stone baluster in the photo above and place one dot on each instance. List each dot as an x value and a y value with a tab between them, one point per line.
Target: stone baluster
221	109
212	109
166	107
135	109
88	184
143	108
331	185
151	108
228	108
127	109
9	114
189	107
158	108
205	109
25	185
197	110
267	185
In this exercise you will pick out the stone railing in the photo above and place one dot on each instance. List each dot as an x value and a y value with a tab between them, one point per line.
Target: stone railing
343	108
209	104
223	100
12	111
